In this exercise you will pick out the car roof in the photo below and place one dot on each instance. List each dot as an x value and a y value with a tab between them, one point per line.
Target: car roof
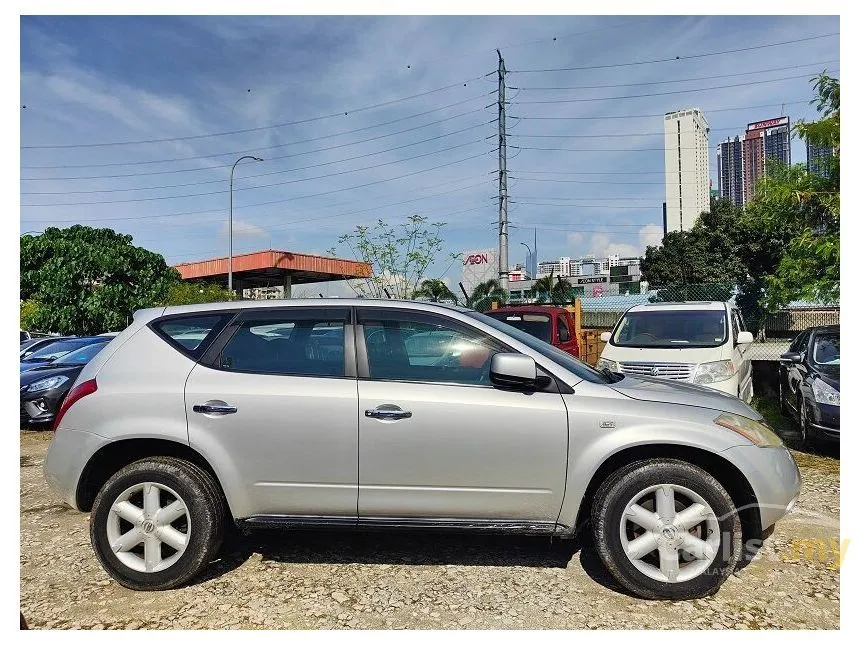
823	328
536	309
703	305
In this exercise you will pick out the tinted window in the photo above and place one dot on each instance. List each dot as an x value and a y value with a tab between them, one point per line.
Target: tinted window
423	347
191	334
293	344
799	344
563	331
678	328
538	325
736	325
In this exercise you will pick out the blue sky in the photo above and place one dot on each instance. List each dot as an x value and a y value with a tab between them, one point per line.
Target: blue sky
94	80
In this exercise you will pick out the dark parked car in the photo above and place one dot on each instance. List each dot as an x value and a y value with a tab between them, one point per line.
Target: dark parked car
33	345
809	383
55	350
44	387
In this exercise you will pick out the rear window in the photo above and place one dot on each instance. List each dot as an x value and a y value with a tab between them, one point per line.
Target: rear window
192	334
537	325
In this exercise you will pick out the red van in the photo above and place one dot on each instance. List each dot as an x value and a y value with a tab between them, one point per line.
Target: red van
551	324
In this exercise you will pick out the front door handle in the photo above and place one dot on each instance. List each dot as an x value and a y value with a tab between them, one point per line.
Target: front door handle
391	412
218	408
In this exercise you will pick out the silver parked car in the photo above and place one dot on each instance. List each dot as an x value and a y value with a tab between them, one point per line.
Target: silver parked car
362	413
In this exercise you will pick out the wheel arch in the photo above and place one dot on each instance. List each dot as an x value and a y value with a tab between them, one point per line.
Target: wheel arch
116	455
731	478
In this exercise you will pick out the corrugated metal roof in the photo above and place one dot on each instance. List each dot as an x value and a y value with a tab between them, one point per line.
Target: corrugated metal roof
287	261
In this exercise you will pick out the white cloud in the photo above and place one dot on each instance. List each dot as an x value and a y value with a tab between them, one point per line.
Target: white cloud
574	238
243	229
650	235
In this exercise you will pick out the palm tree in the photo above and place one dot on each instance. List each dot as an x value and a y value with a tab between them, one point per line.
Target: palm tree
435	291
552	290
485	293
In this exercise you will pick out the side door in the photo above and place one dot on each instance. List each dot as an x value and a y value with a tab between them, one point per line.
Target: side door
741	359
438	444
795	372
274	403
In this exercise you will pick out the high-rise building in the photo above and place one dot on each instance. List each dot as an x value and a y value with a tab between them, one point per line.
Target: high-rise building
764	140
687	170
730	171
816	159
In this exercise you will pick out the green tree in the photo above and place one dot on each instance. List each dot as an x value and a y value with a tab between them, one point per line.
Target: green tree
29	314
552	290
485	294
90	280
435	290
193	293
400	255
806	205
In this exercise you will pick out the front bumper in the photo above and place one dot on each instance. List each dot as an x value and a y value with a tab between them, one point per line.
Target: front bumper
824	421
40	408
68	454
773	476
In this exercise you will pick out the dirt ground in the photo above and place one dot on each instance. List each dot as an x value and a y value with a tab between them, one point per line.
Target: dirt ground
350	580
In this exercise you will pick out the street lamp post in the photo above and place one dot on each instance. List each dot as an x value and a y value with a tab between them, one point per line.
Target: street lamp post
530	252
230	257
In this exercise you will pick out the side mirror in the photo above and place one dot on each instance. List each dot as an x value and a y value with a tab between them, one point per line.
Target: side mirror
790	357
513	370
605	336
744	338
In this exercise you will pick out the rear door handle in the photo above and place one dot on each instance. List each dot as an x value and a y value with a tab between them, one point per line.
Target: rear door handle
218	409
388	412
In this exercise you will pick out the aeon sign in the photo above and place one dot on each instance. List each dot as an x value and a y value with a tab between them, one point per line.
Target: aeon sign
476	258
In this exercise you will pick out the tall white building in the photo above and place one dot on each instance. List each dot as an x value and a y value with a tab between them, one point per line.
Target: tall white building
687	170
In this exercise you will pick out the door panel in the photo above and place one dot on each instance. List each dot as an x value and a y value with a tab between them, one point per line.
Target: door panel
741	360
466	450
273	405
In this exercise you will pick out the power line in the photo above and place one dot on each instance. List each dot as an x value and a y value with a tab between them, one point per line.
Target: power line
674	58
660	114
281	145
639	96
615	134
266	203
260	128
276	172
611	183
280	183
678	80
607	207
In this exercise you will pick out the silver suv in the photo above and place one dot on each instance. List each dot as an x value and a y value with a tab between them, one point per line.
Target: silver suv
361	413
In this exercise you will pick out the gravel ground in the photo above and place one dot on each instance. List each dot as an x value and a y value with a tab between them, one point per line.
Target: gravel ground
333	580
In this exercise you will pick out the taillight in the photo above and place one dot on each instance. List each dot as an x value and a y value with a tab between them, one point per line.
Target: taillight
75	394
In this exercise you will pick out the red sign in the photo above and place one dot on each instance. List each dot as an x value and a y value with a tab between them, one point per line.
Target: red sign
770	123
476	258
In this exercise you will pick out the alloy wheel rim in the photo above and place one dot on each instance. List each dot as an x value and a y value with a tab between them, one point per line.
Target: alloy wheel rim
148	527
670	533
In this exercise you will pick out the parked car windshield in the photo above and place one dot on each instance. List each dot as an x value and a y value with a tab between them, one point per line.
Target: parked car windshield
675	328
53	351
826	349
538	325
568	362
81	356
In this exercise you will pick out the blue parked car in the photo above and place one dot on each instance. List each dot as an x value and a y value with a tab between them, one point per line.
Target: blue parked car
53	351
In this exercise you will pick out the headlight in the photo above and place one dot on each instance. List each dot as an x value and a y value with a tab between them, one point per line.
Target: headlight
714	372
824	393
755	431
49	383
602	363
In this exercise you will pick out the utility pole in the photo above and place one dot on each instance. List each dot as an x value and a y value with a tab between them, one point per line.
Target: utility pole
503	181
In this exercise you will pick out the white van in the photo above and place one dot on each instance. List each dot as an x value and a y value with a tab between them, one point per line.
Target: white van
697	342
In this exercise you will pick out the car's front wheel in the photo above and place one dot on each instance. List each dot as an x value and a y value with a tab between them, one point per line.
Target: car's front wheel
157	522
666	529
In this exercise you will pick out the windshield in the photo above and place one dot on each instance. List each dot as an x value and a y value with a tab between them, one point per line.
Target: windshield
676	328
568	362
538	325
81	356
826	349
53	351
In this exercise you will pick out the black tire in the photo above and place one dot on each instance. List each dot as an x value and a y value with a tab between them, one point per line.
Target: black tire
783	408
207	511
622	486
806	440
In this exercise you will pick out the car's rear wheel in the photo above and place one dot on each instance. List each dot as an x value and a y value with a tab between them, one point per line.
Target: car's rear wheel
157	522
666	529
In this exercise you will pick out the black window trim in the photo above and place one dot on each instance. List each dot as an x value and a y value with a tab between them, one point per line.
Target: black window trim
210	358
227	315
554	386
